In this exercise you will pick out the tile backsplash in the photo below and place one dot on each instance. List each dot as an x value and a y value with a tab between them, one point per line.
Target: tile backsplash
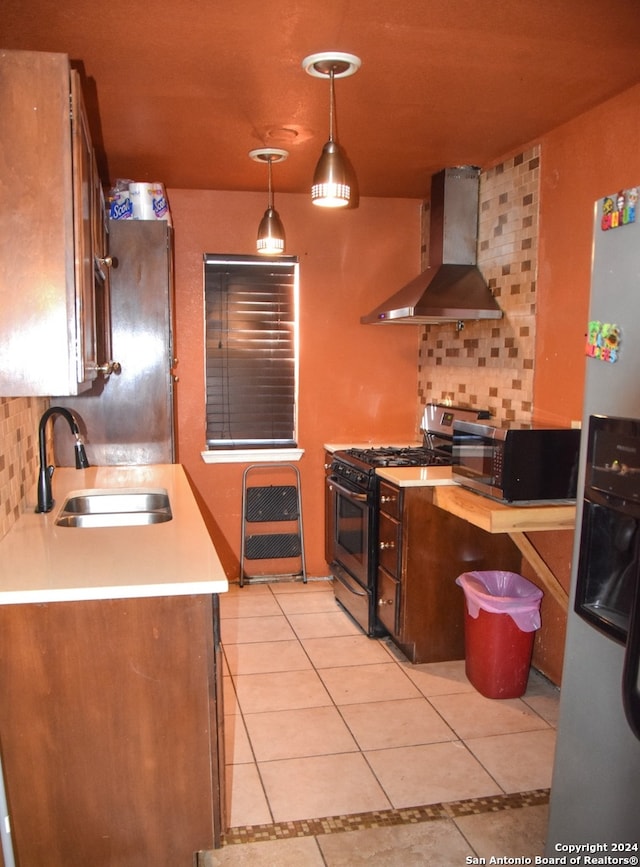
490	364
19	418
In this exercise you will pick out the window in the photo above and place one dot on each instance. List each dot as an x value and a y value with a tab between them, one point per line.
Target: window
251	351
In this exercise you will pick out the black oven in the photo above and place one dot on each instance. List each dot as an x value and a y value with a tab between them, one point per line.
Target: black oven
352	517
608	575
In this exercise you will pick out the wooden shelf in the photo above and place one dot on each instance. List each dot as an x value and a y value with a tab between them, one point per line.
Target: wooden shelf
500	518
516	521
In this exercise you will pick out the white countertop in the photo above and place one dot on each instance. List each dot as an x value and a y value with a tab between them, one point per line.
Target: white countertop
40	562
416	477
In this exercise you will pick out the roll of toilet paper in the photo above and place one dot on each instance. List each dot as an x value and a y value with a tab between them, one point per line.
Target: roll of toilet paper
142	201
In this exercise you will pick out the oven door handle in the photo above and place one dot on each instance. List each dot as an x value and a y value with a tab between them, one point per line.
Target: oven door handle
361	498
352	586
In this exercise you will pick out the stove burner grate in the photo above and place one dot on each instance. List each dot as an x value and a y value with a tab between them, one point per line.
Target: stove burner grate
392	456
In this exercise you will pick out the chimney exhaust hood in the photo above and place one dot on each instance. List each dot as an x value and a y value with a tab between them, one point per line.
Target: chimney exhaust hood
452	289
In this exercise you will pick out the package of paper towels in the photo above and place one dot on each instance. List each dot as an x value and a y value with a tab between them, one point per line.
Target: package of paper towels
133	200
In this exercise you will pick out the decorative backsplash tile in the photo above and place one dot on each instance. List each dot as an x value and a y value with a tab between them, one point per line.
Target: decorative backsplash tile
19	418
490	364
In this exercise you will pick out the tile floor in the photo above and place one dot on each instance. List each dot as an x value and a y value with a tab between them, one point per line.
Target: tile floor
340	752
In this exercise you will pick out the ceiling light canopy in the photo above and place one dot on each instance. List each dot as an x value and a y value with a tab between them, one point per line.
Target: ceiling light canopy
271	239
333	181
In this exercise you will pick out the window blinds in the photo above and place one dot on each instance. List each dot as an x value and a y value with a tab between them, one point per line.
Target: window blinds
250	342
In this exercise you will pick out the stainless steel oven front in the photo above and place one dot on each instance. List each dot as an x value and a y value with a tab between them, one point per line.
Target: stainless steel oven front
352	514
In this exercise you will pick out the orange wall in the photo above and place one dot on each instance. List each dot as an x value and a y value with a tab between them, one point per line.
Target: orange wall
357	383
594	155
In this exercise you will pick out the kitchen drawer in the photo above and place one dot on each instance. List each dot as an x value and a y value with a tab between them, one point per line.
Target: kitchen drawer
389	544
390	500
387	601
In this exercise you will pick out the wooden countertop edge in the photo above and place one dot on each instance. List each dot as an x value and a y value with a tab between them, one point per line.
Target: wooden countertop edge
500	518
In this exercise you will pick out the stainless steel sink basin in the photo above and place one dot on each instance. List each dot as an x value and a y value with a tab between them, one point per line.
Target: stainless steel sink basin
124	507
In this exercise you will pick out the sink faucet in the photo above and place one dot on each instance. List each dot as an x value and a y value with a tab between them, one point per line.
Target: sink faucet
45	495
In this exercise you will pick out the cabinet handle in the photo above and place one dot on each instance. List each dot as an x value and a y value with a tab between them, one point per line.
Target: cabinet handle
385	545
382	602
106	260
384	499
110	367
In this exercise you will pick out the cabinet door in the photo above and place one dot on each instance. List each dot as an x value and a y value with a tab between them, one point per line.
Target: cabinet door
389	544
83	207
390	500
119	760
388	601
48	326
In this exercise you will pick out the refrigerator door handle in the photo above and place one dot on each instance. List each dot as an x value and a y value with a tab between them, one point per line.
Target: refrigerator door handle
631	669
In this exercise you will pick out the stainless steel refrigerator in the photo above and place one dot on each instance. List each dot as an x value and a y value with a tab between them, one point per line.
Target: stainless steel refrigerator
128	418
596	778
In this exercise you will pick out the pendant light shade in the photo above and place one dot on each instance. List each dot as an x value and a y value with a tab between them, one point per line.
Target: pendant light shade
271	239
333	181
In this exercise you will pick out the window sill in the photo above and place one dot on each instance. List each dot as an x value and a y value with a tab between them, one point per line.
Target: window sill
251	456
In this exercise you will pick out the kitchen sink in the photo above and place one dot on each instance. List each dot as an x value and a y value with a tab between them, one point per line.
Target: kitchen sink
125	507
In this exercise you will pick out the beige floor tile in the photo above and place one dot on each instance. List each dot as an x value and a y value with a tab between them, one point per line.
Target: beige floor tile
430	774
518	762
265	656
385	724
366	683
471	715
229	698
436	843
245	630
281	588
519	833
308	603
248	602
300	852
287	734
323	624
321	786
237	749
439	678
282	690
246	801
345	650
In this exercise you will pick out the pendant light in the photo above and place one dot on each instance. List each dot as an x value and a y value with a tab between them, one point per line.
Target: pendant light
270	240
333	181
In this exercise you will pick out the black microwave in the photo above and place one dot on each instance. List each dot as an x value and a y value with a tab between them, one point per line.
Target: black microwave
518	464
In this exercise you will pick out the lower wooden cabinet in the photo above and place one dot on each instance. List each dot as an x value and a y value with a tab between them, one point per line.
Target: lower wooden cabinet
110	725
422	550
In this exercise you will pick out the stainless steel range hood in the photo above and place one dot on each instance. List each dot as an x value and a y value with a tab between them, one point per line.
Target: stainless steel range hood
452	289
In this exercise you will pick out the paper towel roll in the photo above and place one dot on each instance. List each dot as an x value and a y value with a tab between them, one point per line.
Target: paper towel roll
142	201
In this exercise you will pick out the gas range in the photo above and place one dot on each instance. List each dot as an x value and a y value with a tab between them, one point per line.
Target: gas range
358	465
399	456
352	509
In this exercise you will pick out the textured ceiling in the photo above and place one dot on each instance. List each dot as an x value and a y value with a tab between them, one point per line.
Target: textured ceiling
180	91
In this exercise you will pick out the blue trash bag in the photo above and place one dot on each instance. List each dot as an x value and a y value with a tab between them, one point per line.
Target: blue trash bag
503	593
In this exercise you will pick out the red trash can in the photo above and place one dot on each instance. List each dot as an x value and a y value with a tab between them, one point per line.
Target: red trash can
502	614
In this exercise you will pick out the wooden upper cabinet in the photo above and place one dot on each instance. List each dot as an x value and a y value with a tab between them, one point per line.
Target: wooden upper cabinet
51	333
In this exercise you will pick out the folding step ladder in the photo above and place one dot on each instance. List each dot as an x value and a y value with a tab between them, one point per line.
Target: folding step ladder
271	504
